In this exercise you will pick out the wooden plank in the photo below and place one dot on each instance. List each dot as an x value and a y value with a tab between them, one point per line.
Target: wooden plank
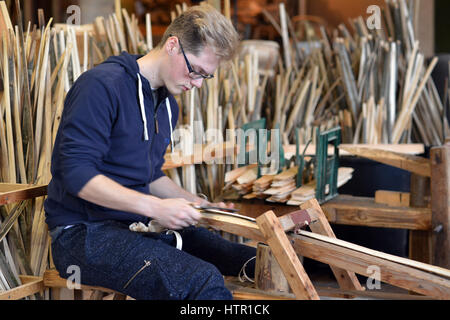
10	193
347	280
392	198
287	258
233	225
31	285
362	211
414	164
327	250
440	204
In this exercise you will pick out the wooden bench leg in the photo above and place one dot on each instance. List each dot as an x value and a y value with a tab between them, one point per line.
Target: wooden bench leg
286	257
347	280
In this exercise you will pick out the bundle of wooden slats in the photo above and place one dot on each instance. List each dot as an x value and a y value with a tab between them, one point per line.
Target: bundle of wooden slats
38	67
279	188
308	191
282	185
375	83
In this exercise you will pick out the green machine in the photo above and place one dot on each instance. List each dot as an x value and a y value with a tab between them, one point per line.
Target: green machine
325	165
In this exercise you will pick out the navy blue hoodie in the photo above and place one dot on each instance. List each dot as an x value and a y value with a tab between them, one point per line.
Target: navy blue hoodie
102	132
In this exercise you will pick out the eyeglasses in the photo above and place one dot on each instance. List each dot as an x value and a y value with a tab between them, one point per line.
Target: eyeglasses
194	75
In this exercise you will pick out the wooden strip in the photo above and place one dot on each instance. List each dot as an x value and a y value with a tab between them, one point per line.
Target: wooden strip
233	225
148	29
418	165
287	258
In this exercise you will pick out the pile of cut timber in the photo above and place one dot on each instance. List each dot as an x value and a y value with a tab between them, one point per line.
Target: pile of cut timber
282	185
280	188
308	191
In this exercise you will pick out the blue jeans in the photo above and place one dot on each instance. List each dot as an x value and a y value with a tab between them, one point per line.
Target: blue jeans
147	265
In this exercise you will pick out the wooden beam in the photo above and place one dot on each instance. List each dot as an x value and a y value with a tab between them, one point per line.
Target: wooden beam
362	211
11	192
414	164
31	285
286	256
440	204
359	260
347	280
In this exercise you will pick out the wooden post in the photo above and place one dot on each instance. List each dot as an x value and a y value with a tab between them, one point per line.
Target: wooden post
286	256
347	280
420	240
440	205
268	274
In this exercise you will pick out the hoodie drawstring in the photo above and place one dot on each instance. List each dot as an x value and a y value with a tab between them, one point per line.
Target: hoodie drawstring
144	117
169	113
141	104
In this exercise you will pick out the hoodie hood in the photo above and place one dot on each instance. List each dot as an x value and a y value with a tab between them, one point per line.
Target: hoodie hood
129	63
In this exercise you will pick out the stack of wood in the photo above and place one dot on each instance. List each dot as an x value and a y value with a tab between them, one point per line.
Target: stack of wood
279	188
308	191
282	186
243	184
259	186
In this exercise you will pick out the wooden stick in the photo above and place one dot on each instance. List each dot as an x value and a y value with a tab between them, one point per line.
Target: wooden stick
8	117
285	36
148	28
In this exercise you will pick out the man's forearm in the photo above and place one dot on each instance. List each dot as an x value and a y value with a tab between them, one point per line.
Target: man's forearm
105	192
165	188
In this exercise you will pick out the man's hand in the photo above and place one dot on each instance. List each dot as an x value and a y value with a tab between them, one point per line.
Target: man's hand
176	214
206	203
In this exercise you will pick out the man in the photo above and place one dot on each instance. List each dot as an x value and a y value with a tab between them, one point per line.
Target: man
106	172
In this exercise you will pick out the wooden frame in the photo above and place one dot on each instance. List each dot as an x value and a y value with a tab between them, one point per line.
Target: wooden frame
411	275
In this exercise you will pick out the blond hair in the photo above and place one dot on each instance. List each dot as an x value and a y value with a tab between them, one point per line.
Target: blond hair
201	26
